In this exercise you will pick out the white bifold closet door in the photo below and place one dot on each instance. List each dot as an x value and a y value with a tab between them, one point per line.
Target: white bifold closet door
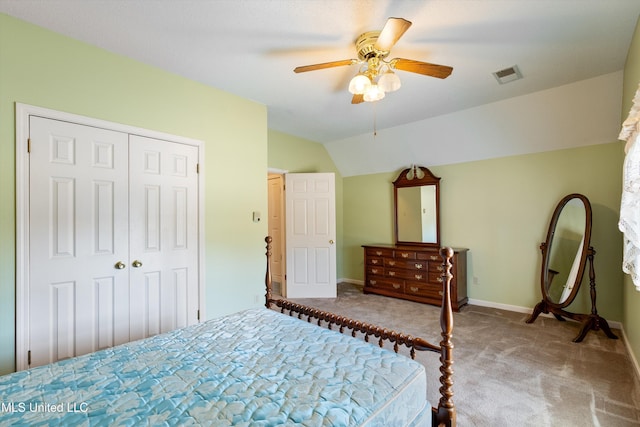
113	229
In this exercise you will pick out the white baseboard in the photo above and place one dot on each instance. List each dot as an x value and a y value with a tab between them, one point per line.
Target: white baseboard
354	281
632	355
508	307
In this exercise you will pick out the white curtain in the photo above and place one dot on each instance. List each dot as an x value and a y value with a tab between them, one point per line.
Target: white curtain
629	222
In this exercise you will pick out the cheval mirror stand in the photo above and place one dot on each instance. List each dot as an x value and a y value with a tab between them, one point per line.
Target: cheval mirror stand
564	256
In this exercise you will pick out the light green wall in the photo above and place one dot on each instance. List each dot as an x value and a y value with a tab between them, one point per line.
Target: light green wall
500	209
631	302
45	69
368	217
292	154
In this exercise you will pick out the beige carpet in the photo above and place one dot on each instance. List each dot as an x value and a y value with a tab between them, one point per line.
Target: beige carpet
507	372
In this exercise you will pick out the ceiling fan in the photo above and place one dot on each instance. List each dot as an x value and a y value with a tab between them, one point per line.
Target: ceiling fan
375	76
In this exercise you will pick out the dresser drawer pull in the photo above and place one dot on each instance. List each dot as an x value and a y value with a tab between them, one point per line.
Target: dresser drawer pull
439	279
392	273
396	286
434	257
374	261
373	282
378	253
440	268
414	289
404	255
419	266
392	263
374	270
440	293
418	276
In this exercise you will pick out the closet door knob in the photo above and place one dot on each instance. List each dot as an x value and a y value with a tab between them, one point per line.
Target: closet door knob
136	264
120	265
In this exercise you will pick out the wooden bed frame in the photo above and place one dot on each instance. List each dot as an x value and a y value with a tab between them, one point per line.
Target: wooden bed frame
445	413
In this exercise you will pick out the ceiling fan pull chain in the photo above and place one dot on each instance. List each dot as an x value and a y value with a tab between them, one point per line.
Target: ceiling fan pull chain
375	130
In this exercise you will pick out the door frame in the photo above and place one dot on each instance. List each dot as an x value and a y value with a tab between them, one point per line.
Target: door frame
283	227
22	114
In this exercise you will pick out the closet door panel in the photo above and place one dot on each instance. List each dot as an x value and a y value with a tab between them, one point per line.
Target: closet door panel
78	231
164	232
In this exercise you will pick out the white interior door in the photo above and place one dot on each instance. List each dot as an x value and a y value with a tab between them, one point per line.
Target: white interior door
78	232
310	235
164	235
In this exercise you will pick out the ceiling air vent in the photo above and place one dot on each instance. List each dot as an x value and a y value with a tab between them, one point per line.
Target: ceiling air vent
508	75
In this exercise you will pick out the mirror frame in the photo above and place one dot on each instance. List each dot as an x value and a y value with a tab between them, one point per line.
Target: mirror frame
402	182
547	244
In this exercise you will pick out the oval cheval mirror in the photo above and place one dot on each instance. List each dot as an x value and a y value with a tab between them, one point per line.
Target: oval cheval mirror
565	254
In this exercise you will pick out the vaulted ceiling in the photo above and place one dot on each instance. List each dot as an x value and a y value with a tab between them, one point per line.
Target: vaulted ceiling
251	47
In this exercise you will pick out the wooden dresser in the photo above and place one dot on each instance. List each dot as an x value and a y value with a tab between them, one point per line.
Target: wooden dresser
413	273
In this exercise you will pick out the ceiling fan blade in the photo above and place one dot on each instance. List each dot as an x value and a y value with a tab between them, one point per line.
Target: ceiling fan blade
391	33
433	70
332	64
357	99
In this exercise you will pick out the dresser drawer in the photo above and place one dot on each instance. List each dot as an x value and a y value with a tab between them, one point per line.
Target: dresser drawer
423	290
410	264
404	254
387	284
420	276
419	265
375	261
430	256
375	270
436	268
395	263
380	252
436	279
398	273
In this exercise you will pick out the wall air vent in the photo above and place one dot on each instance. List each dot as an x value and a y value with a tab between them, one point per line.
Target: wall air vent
508	75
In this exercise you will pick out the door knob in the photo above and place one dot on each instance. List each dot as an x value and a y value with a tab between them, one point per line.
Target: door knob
136	264
120	265
331	242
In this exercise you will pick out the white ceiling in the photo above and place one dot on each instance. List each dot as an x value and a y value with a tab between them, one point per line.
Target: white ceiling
250	48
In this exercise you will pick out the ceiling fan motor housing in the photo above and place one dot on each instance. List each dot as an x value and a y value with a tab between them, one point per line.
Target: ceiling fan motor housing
365	46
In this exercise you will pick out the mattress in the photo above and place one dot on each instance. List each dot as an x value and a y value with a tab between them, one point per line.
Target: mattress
252	368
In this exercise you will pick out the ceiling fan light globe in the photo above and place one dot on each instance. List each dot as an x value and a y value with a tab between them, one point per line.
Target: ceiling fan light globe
359	84
374	93
389	81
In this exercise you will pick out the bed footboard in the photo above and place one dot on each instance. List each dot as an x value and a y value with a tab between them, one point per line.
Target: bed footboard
445	413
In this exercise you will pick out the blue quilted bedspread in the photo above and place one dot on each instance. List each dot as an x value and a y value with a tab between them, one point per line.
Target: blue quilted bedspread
253	368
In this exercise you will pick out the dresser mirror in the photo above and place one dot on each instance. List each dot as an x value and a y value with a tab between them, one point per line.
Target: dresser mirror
416	196
565	254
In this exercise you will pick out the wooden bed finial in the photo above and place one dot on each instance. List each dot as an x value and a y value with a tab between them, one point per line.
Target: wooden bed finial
267	279
446	411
